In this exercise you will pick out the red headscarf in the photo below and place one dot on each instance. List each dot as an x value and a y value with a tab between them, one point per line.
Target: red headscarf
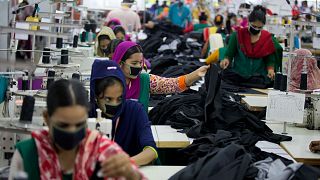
262	48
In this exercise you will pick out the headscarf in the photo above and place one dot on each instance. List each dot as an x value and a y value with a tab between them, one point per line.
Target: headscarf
104	31
113	22
102	69
297	67
262	48
94	148
133	89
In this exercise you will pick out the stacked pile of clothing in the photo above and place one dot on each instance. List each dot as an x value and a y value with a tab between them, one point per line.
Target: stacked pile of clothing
225	135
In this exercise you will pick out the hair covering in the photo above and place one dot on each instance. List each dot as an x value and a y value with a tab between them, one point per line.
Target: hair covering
133	133
133	91
113	22
104	31
297	67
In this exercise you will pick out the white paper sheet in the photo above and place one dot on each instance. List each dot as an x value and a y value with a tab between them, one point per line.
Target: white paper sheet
285	107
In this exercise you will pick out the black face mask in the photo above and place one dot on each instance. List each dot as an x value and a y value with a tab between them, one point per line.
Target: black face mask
254	31
68	140
134	71
112	110
105	51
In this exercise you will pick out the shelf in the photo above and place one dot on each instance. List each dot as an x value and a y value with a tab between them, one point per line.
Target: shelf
5	29
52	24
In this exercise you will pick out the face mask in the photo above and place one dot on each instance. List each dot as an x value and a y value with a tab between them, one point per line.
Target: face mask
68	140
111	109
105	51
254	31
134	71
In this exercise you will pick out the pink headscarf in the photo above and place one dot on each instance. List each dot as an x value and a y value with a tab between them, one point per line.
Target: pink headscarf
296	69
133	89
113	22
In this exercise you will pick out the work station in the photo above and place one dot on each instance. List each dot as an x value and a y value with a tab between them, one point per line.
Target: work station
160	89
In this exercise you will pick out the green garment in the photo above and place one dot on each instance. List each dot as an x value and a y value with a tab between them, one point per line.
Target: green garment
144	90
3	88
248	67
29	153
199	27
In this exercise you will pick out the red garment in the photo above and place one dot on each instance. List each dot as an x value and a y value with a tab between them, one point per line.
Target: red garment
262	48
295	11
93	148
188	28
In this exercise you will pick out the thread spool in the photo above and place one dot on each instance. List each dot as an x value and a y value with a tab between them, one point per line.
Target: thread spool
46	55
75	41
76	76
25	83
83	36
59	43
51	74
304	81
64	56
27	108
277	81
285	42
283	86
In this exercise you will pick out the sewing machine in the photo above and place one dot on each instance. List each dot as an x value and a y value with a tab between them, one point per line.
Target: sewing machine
312	111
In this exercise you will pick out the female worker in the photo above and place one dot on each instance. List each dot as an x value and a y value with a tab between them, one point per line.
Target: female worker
112	47
68	150
140	85
103	40
131	126
252	51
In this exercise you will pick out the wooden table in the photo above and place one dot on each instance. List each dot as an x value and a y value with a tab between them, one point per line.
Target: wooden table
167	137
255	103
298	148
160	172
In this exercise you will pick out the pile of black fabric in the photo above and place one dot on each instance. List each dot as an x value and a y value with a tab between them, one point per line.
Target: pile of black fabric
259	81
170	65
226	134
167	38
180	111
233	162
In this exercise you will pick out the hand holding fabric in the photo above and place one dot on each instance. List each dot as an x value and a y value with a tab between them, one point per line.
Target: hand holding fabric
201	72
118	165
224	64
196	75
271	73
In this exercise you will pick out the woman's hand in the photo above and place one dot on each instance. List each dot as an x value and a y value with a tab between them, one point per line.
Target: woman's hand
201	72
196	75
314	146
224	63
271	74
118	165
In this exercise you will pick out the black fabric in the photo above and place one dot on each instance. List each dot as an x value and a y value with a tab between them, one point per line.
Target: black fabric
238	89
168	111
307	172
231	77
231	162
179	70
161	63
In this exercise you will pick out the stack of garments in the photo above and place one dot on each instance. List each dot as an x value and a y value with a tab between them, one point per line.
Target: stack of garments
225	135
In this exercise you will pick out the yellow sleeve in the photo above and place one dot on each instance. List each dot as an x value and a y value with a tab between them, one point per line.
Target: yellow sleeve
213	58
